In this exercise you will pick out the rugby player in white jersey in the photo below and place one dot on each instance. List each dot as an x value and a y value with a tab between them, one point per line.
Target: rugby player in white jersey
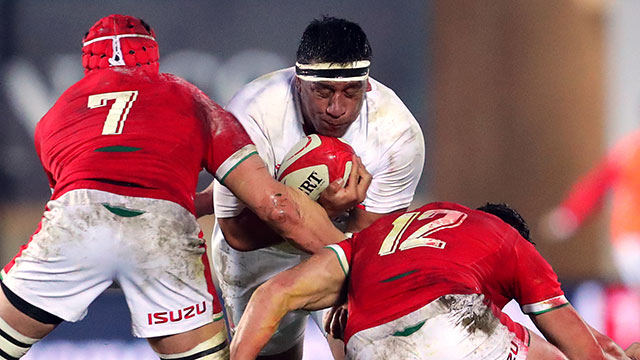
328	92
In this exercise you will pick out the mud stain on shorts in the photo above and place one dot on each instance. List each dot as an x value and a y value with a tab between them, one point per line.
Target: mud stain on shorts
471	311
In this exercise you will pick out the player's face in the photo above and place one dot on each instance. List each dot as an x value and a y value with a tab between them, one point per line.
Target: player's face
331	106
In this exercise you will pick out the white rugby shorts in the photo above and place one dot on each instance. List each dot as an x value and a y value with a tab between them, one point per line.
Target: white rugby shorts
452	327
153	249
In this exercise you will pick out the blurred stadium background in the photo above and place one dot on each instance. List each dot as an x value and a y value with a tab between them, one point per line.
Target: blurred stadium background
517	98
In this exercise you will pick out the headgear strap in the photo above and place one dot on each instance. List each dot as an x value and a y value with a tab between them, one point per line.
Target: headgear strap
117	59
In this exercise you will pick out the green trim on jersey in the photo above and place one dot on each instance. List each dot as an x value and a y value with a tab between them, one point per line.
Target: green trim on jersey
219	316
400	276
410	330
547	310
236	165
123	211
117	148
339	260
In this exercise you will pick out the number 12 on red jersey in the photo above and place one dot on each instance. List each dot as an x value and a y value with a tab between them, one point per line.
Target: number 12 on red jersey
420	237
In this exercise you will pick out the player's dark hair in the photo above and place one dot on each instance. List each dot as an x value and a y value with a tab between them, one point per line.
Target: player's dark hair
333	40
510	216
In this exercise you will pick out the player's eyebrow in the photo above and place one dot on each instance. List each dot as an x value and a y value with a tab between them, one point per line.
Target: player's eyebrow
331	86
353	86
321	85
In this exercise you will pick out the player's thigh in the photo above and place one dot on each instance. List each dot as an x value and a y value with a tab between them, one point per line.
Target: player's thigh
21	322
208	340
68	261
167	281
540	349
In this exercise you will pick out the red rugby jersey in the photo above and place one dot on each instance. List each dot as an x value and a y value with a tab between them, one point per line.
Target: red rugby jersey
126	125
402	262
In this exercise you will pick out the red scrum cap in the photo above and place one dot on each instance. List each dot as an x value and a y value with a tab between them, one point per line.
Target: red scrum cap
120	40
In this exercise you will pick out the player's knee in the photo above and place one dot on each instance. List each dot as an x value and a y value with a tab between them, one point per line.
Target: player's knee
13	345
215	348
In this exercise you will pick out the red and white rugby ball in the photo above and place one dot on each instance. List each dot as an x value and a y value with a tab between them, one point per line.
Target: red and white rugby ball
315	162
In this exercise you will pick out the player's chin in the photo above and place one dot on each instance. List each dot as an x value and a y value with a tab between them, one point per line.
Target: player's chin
333	130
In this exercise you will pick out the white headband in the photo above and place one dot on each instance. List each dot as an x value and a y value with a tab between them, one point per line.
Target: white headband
350	71
117	59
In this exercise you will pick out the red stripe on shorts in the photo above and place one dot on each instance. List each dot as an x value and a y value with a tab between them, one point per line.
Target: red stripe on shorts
514	327
217	305
23	247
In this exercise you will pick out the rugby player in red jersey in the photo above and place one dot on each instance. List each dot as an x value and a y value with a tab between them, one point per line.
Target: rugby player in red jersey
122	149
618	174
429	284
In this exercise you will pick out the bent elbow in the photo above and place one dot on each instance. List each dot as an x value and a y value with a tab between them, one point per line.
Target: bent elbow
283	214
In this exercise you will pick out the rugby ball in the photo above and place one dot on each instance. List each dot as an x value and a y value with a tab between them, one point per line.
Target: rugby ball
315	162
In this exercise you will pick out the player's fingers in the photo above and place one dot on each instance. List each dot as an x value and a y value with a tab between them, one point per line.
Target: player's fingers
334	187
633	351
328	319
335	326
354	174
340	321
343	319
365	181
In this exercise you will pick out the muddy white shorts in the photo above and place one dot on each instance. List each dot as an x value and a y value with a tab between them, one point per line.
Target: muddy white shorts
240	273
450	327
153	249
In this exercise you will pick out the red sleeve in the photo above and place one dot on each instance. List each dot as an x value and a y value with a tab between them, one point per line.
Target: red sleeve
535	284
228	143
343	251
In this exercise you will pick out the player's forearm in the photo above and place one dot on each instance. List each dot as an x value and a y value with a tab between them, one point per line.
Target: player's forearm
246	232
314	230
299	220
633	351
291	213
608	346
313	284
204	201
258	323
564	328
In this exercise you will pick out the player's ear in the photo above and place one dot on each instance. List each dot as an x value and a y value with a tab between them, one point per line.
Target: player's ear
368	85
298	84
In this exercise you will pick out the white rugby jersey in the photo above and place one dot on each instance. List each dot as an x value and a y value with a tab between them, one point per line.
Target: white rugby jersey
385	135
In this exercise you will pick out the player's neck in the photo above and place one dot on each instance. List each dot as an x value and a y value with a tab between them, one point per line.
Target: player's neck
308	128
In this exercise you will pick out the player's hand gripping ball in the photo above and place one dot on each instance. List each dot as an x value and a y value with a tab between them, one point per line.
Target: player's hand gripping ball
315	162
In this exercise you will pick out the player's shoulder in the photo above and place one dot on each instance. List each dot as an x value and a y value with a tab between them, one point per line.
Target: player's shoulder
386	107
180	87
177	83
269	89
80	88
477	218
444	205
